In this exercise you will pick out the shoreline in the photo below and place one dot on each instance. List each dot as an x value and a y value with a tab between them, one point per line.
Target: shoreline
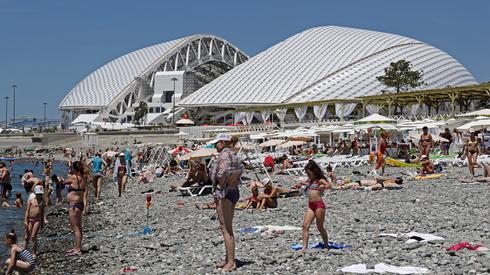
184	239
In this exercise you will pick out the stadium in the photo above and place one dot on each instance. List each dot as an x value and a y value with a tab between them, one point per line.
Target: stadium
324	67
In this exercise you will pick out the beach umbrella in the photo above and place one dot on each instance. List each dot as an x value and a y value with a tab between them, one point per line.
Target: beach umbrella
291	143
184	121
300	138
182	134
272	142
179	150
374	119
482	112
481	123
110	153
199	154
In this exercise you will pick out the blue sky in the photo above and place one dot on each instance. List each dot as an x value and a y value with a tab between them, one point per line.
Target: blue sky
47	47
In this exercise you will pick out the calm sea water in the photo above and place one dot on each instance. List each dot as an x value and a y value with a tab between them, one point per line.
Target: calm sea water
13	218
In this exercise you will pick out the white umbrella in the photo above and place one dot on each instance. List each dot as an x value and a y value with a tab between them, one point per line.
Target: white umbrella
291	143
382	126
481	123
199	153
482	112
110	153
184	121
374	118
272	142
181	134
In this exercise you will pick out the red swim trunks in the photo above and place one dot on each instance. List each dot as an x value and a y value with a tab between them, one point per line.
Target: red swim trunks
314	205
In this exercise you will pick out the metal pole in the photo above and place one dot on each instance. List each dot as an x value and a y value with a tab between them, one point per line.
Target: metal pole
14	86
173	103
44	120
6	112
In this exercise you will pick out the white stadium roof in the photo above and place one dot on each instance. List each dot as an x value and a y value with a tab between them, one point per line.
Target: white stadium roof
326	63
100	87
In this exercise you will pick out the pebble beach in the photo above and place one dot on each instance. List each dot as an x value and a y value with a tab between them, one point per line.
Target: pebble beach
184	240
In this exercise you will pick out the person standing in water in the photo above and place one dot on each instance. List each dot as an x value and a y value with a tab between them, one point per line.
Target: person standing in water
6	186
316	184
226	176
34	218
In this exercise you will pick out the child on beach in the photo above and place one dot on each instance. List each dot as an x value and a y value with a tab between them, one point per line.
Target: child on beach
253	201
18	200
316	184
34	218
20	259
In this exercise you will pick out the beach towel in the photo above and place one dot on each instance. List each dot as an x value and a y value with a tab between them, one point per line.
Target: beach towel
320	245
248	230
414	236
460	246
401	163
269	228
384	268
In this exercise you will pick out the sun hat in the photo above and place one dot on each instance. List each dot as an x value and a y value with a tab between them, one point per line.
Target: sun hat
472	130
221	137
38	190
122	155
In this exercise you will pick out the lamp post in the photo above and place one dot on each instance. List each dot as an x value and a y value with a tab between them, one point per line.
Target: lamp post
44	118
173	102
6	112
14	86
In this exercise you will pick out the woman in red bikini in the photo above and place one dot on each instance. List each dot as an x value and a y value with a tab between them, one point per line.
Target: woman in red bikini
77	202
316	207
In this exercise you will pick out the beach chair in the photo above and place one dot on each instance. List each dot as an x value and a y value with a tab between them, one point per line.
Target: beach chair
295	171
194	191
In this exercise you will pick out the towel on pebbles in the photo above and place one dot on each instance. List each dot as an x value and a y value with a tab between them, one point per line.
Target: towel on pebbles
414	236
384	268
269	228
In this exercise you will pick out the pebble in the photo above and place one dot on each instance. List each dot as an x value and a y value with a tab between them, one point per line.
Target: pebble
187	241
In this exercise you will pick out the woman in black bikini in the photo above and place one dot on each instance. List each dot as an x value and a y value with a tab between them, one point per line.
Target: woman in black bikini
77	202
471	151
426	143
226	176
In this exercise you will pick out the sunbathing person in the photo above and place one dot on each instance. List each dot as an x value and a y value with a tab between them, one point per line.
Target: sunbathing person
285	162
427	166
202	206
268	199
374	184
198	174
146	176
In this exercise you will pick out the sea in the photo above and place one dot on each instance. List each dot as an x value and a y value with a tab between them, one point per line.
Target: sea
12	217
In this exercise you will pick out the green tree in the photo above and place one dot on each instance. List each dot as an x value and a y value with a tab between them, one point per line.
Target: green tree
140	112
399	75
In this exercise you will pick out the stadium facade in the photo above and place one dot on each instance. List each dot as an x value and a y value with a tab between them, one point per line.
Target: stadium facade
324	64
179	67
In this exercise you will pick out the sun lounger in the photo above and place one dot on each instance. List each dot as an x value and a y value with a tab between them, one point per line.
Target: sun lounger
195	190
